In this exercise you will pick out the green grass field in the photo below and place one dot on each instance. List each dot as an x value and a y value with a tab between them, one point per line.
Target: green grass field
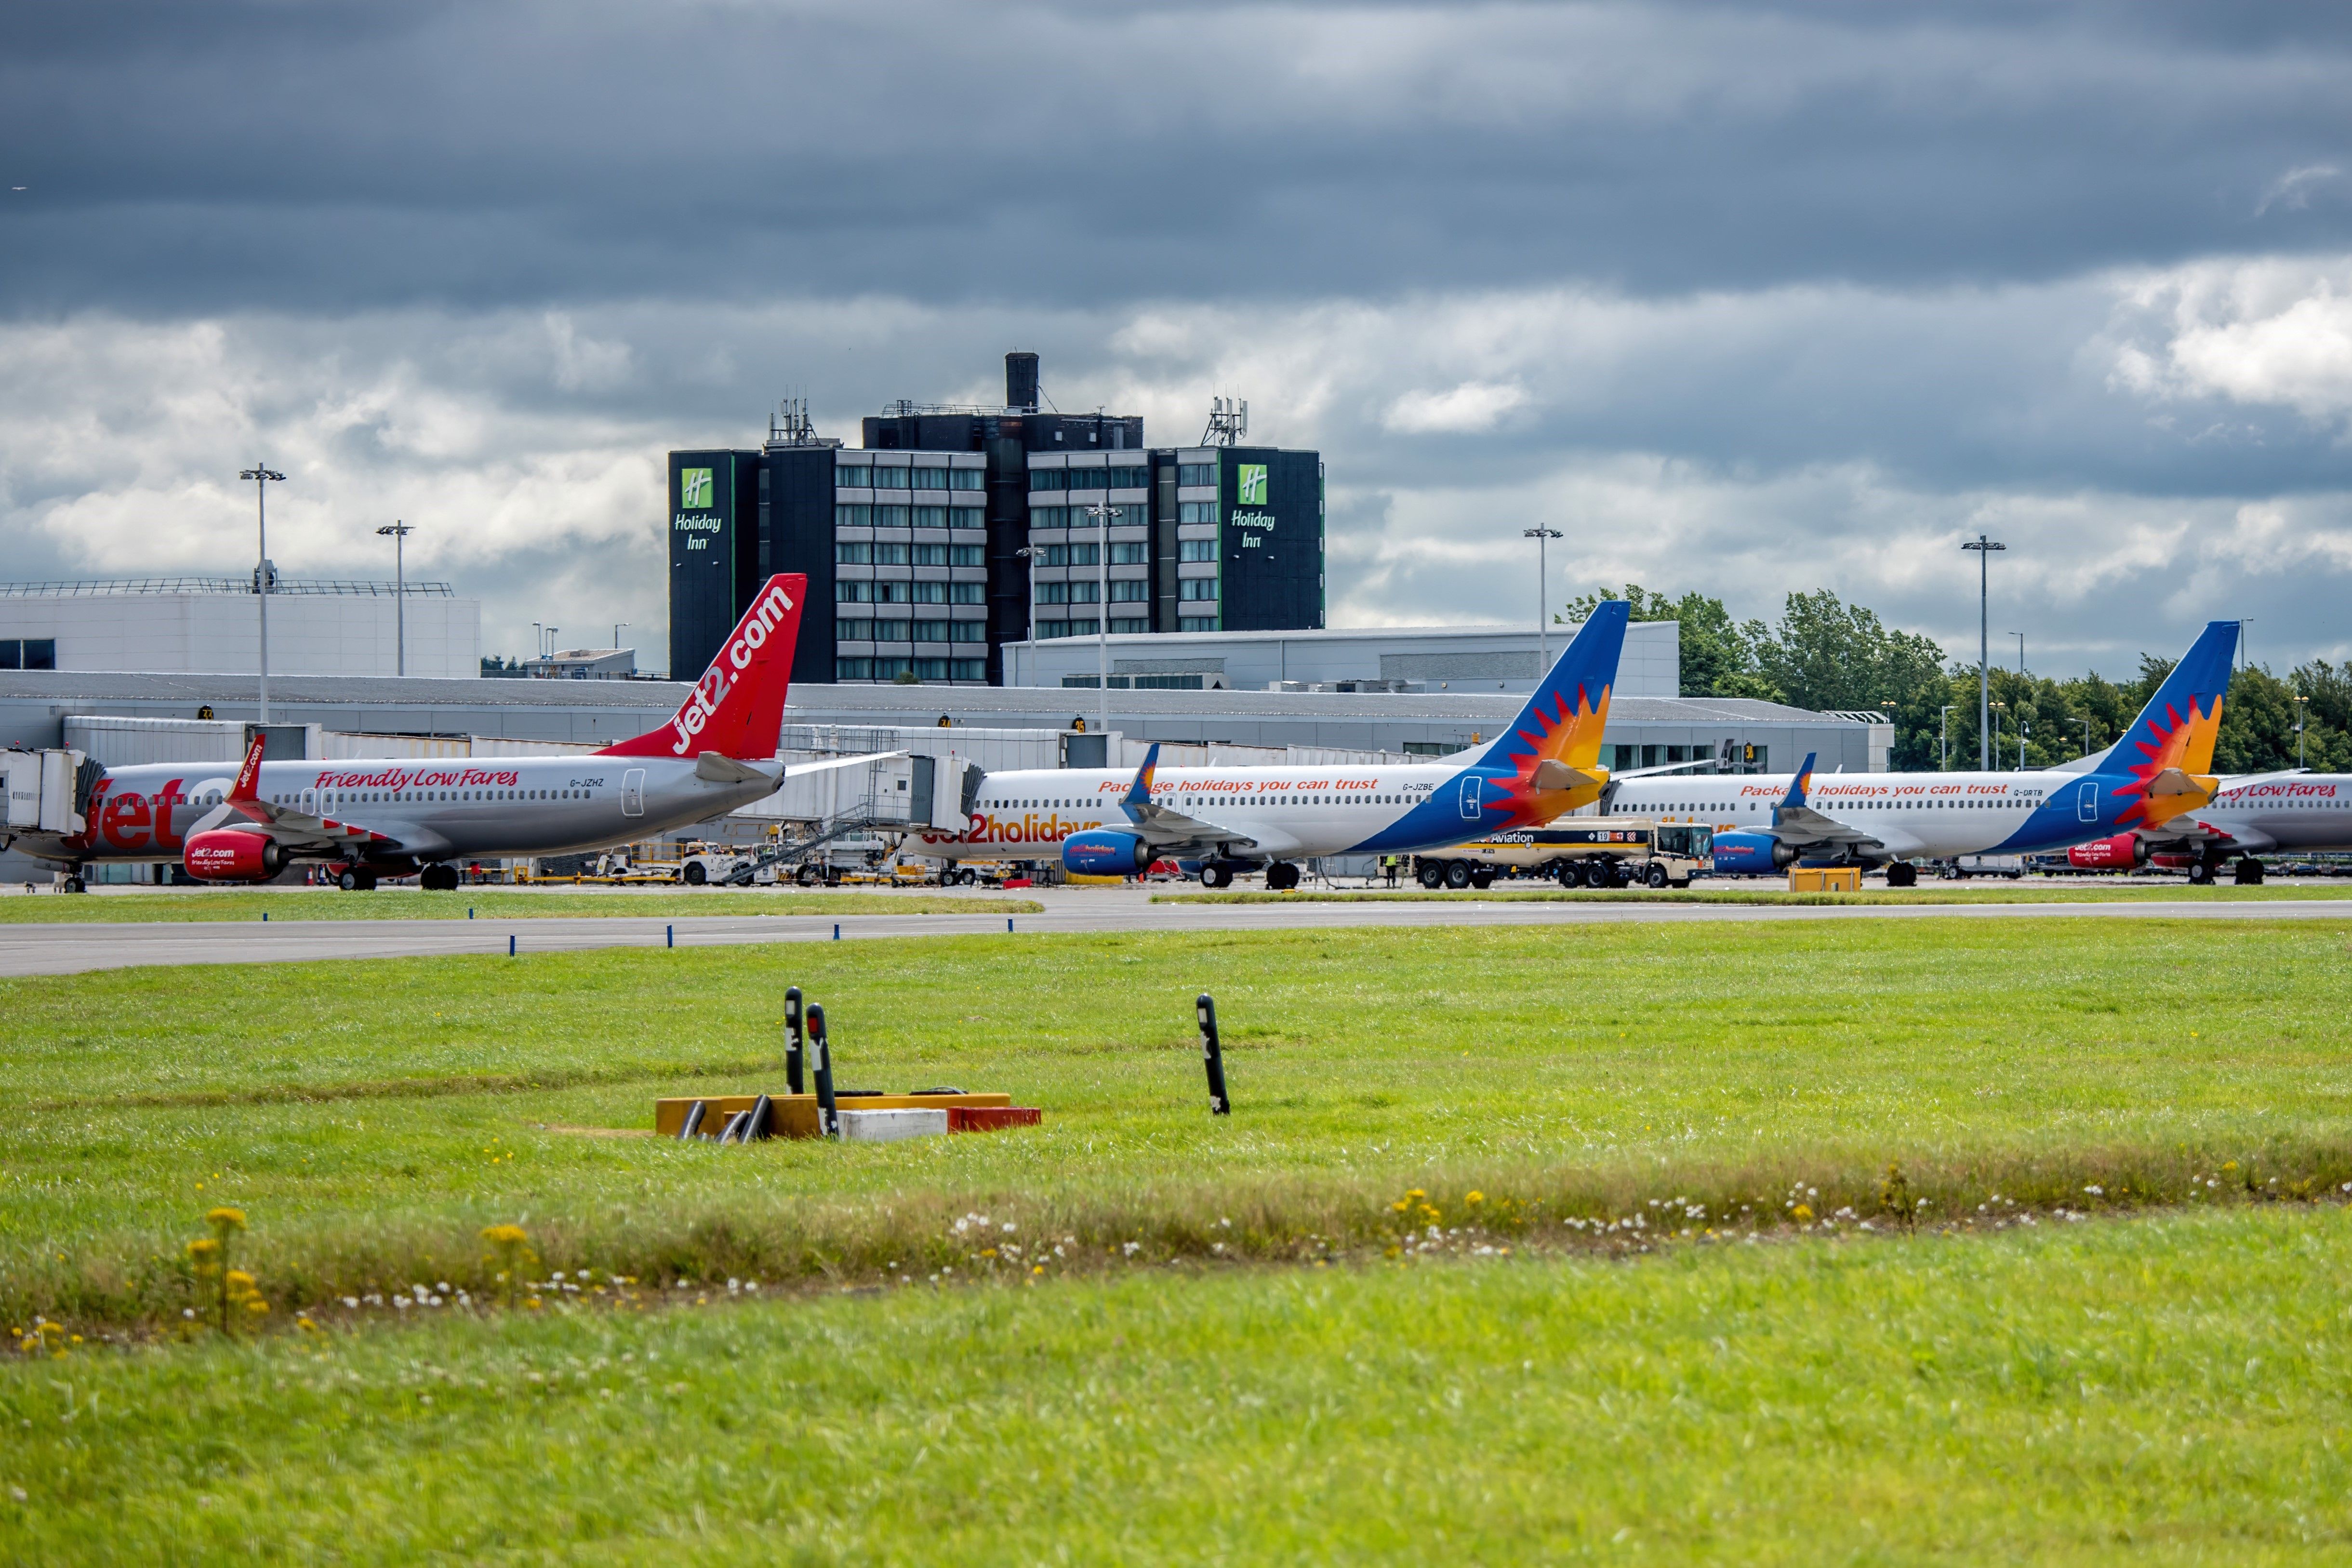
2169	1390
1206	1337
487	903
372	1117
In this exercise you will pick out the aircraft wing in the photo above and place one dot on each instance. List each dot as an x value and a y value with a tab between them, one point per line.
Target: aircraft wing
798	769
1164	827
1802	825
300	830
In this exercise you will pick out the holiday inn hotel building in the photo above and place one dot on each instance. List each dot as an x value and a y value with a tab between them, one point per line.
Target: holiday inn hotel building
954	532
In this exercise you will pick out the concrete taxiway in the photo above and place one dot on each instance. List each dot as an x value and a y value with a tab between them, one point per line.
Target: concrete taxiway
70	948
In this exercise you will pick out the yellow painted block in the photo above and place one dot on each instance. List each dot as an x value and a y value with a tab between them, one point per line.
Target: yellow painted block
1825	878
1078	879
796	1113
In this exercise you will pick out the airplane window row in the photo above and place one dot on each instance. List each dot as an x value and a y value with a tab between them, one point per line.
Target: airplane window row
360	797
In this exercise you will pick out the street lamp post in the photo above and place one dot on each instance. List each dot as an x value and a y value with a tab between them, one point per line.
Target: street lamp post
2086	736
1543	538
1943	738
1102	512
2301	716
263	478
1996	712
2024	733
1984	548
399	532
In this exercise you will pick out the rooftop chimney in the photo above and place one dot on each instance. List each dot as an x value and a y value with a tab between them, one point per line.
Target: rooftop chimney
1020	380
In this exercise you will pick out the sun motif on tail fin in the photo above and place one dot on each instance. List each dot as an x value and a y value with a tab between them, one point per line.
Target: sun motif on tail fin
2174	742
1569	735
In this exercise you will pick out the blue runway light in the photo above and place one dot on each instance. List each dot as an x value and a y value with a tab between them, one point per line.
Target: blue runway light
510	945
669	936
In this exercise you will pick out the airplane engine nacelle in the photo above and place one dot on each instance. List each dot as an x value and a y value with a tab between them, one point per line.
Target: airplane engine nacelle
2122	852
1750	854
226	855
1105	855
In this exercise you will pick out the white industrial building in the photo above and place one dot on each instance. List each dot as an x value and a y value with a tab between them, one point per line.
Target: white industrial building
1466	660
211	625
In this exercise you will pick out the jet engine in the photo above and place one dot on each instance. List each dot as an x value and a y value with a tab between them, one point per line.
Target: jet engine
2121	853
1105	855
229	854
1750	854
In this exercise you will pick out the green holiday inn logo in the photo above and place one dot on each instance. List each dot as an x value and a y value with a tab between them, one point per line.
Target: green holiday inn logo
695	487
1251	478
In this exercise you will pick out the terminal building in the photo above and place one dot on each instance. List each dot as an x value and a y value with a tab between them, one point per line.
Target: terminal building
951	532
213	626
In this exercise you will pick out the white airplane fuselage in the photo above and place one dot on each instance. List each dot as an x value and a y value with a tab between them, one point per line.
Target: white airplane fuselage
433	809
1927	816
2306	812
1287	813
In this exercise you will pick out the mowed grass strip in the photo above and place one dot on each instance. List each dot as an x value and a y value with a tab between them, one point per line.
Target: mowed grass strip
487	903
371	1118
2159	1389
1526	890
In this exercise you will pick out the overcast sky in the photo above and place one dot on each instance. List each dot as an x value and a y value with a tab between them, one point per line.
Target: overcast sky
1749	299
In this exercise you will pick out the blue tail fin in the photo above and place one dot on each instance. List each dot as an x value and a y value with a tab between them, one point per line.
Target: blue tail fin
2177	727
1563	720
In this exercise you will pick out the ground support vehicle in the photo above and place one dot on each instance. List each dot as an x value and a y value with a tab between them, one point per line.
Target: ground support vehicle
1961	868
1578	852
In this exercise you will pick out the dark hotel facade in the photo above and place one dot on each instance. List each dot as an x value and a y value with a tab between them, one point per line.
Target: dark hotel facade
950	532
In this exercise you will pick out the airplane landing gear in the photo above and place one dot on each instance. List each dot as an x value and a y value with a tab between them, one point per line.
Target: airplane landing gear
1281	876
356	879
1217	874
1902	874
2200	874
438	879
2247	872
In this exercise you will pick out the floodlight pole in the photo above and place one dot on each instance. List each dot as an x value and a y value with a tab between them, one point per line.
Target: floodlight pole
263	477
400	532
1944	739
1543	537
2301	716
1984	548
1102	512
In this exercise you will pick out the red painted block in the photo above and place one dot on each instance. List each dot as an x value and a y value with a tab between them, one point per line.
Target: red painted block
989	1118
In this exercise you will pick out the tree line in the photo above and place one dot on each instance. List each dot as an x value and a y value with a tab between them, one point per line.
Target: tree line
1829	656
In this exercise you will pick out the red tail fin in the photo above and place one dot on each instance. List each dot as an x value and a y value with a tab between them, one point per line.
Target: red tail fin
738	706
246	790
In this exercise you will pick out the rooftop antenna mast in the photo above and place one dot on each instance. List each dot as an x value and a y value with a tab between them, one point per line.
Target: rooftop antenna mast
1228	422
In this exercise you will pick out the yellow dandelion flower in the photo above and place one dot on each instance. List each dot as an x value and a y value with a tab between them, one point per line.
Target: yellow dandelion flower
504	1234
1474	1197
1803	1213
225	1219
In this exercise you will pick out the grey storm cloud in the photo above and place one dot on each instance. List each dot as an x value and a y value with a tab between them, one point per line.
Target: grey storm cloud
1748	298
332	155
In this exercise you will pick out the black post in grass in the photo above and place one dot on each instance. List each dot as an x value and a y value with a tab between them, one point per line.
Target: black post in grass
1213	1054
828	1124
693	1123
734	1130
762	1114
793	1039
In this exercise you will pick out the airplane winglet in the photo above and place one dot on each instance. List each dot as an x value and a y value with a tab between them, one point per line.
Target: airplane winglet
1803	783
245	792
1795	799
1140	793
